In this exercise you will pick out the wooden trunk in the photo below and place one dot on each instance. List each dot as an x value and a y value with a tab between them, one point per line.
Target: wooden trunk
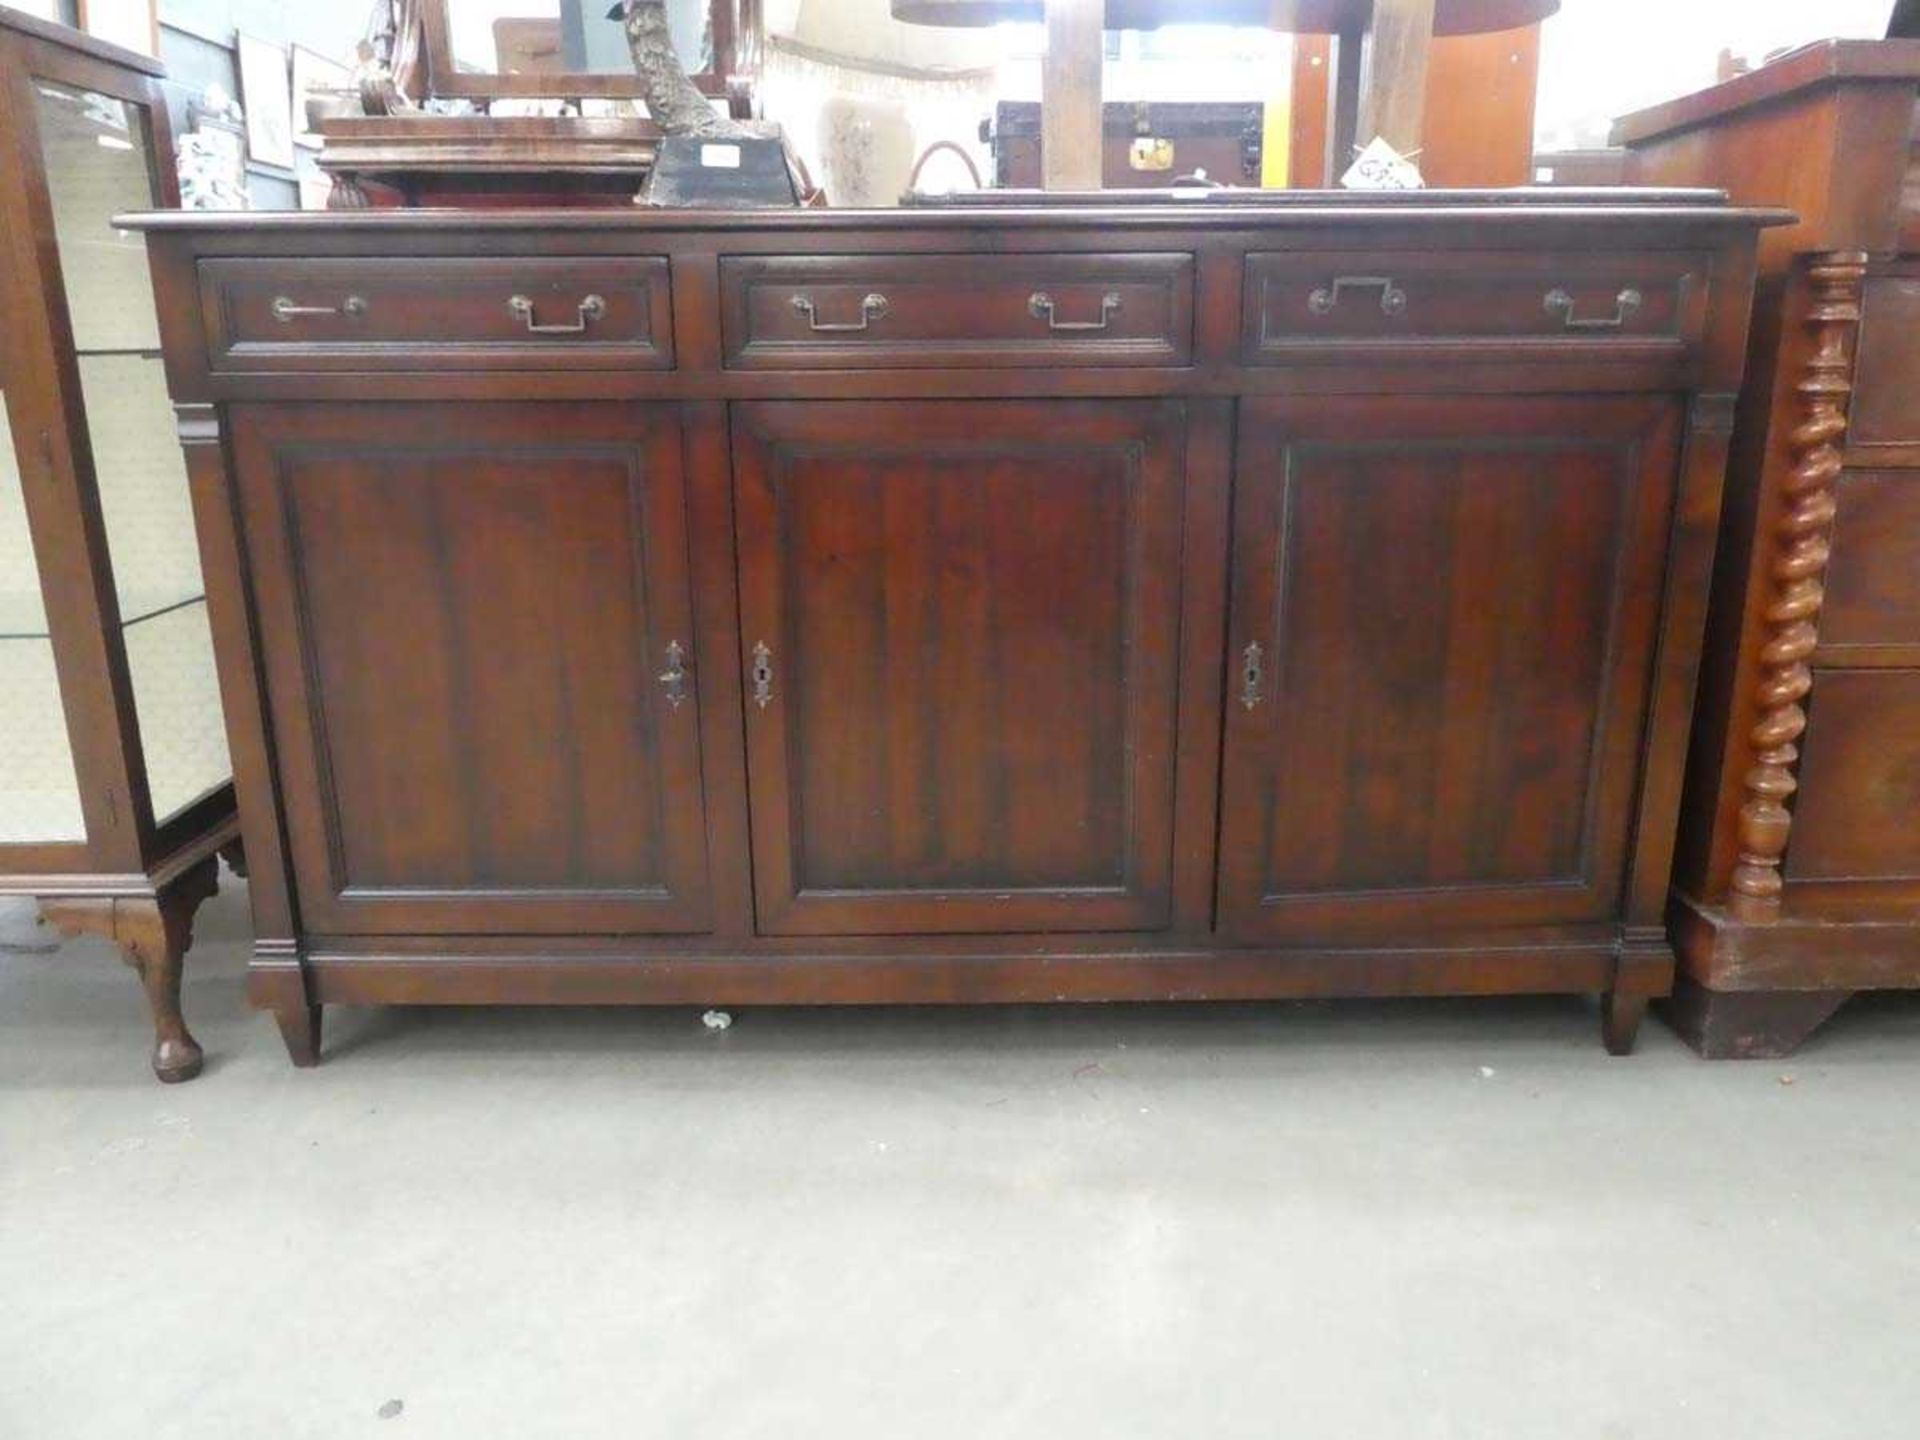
1799	869
1184	601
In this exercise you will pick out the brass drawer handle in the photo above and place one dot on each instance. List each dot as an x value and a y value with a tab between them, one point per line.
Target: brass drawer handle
1325	300
592	308
675	676
762	675
1560	303
286	311
872	308
1040	305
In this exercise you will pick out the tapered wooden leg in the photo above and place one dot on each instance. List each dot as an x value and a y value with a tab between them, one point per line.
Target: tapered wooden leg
153	936
300	1029
1620	1017
1748	1024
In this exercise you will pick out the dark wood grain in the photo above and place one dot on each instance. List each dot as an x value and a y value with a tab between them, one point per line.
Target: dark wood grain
409	315
939	310
1003	585
464	634
1859	818
1883	411
971	617
1798	877
1308	303
1454	615
1873	581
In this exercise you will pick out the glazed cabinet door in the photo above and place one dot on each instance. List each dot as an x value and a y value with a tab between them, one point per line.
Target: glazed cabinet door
477	630
1444	616
959	630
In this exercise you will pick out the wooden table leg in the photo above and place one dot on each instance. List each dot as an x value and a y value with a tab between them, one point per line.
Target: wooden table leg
1070	118
1393	98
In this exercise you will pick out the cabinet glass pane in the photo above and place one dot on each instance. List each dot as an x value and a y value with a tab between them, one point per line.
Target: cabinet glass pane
96	155
96	151
170	656
39	792
142	475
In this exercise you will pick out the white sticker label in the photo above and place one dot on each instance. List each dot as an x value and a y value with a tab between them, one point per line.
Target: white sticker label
720	157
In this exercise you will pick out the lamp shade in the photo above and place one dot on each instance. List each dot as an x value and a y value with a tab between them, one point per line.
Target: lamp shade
1299	17
863	31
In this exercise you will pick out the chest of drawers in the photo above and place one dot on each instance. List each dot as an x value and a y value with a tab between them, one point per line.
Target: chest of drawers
1015	604
1798	874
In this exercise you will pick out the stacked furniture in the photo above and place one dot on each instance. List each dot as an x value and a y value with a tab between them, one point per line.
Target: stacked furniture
1179	601
1798	881
115	788
416	157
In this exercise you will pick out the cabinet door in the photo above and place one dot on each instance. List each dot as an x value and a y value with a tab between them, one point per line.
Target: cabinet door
1444	624
959	622
471	619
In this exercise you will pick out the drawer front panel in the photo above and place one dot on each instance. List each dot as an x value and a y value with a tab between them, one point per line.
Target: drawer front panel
408	314
1889	368
846	312
1873	582
1327	305
1853	818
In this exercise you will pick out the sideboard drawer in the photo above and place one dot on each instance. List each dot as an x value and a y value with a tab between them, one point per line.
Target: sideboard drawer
407	314
849	312
1319	305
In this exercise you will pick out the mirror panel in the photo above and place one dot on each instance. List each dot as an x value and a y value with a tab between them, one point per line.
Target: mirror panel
564	37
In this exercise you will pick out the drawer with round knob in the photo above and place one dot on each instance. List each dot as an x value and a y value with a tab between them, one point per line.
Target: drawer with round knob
481	313
850	312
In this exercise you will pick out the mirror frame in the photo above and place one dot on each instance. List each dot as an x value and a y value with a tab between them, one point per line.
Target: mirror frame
736	57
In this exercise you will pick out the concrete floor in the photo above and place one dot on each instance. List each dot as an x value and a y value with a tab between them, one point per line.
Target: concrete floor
1408	1221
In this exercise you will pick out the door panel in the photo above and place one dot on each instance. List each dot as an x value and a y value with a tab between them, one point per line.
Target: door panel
1456	608
970	617
467	612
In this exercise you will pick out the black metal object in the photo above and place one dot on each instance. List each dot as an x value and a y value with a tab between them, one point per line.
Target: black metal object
729	174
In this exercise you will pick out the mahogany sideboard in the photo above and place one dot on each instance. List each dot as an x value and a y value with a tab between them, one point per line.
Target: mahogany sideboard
1798	880
1181	601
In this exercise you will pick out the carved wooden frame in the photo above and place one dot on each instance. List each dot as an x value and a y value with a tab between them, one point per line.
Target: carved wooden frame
1797	569
736	54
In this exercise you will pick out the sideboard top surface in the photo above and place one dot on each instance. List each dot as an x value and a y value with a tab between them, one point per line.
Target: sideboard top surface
1524	208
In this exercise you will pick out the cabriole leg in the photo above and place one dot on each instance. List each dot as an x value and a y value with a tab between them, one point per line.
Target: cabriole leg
153	936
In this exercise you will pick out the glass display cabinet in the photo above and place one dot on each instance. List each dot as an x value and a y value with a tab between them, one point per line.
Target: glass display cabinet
116	792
